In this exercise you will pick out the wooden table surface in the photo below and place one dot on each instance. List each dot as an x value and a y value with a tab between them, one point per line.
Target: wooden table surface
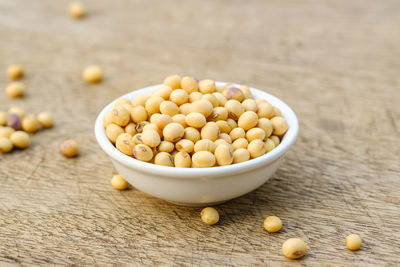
336	63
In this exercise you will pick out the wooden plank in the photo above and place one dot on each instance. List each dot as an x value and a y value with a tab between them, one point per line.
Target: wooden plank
335	62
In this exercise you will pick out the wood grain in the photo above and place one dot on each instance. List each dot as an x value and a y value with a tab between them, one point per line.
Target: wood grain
335	62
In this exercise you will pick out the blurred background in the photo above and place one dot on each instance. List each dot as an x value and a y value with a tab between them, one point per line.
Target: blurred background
335	62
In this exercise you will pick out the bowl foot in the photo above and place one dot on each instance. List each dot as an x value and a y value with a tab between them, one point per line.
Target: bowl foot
197	204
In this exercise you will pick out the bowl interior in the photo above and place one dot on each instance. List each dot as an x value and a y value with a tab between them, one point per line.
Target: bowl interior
286	142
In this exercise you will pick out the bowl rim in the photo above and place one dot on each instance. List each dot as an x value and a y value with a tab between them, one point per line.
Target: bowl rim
192	173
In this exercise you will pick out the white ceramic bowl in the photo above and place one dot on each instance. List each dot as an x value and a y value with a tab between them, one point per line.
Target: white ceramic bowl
199	186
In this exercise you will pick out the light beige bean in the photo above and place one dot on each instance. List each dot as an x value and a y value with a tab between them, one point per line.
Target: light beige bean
265	110
219	113
166	146
69	148
164	159
246	91
3	118
6	131
137	139
106	119
161	120
192	134
140	100
120	116
209	215
46	119
207	86
93	74
294	248
179	96
30	124
182	160
185	145
204	145
237	133
125	144
266	125
232	123
143	152
234	93
223	127
279	125
240	155
130	128
210	98
275	139
248	120
203	159
235	109
15	71
219	142
181	119
226	137
138	114
169	108
223	155
195	119
255	133
250	105
195	96
184	108
210	131
163	91
221	98
119	183
15	89
256	148
269	145
113	131
201	106
240	143
5	145
189	84
151	138
173	81
121	101
173	132
152	104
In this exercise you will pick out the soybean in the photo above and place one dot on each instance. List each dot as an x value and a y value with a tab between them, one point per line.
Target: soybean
164	159
248	120
15	89
203	159
69	148
93	74
125	144
182	160
173	81
279	125
223	155
210	131
142	152
256	148
119	183
173	132
195	119
46	119
241	155
294	248
209	215
5	145
15	71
